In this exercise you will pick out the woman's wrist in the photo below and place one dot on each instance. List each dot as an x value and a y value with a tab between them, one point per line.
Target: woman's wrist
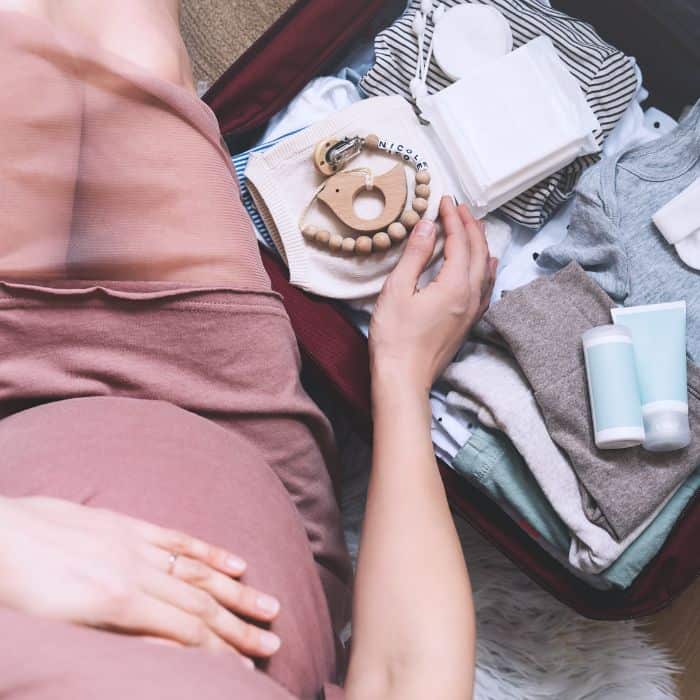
394	386
394	378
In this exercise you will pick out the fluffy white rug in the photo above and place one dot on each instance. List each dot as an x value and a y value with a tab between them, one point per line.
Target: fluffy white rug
530	646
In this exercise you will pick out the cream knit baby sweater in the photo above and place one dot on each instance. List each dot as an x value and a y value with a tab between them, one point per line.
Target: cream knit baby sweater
283	181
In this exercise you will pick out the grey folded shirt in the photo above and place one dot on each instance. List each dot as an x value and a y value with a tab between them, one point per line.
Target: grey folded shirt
542	324
612	234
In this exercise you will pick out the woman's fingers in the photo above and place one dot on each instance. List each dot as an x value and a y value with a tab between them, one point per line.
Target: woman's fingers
233	595
493	270
489	285
192	600
179	543
478	246
457	251
415	257
151	616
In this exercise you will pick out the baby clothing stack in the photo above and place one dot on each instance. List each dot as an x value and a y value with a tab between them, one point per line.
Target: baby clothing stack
618	506
511	413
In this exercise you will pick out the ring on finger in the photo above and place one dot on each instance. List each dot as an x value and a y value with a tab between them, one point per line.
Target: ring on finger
172	561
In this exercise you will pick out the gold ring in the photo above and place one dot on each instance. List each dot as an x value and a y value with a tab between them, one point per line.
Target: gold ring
172	561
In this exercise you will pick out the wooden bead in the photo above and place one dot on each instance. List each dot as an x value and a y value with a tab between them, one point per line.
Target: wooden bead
372	142
409	219
423	191
397	231
423	177
335	242
363	245
309	232
348	245
420	205
381	241
323	237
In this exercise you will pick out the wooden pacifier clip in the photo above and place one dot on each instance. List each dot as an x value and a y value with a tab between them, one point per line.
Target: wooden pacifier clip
339	191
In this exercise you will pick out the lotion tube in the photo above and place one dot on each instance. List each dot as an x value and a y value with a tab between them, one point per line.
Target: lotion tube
658	335
616	406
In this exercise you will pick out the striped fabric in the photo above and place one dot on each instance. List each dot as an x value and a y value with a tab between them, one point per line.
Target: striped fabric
240	162
607	77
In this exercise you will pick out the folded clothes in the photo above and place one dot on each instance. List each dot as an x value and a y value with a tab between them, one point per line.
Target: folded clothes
490	461
487	381
520	265
542	324
612	235
606	76
240	163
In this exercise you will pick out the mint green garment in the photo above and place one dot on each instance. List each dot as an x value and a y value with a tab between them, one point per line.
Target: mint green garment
490	461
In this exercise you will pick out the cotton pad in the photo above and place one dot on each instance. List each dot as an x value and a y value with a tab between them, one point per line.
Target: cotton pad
468	36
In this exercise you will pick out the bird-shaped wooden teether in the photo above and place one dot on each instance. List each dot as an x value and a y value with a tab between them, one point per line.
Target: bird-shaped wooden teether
342	189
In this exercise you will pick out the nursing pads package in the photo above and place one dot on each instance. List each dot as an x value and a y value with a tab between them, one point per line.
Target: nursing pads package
510	122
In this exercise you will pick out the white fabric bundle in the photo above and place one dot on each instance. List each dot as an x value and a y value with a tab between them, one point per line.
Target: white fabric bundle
499	151
679	223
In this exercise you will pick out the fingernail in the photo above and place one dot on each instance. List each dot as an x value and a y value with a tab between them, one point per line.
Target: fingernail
269	642
268	604
424	228
235	564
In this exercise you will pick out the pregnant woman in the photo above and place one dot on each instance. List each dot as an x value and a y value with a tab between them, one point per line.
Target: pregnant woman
168	527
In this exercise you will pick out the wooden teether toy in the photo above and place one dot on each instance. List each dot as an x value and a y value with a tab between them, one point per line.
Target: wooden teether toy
341	188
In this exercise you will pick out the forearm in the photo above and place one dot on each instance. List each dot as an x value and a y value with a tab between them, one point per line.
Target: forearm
413	617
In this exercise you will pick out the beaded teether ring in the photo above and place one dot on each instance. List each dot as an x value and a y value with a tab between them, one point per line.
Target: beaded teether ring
338	192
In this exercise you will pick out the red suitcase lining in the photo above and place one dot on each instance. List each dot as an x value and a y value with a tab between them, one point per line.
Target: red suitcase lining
259	84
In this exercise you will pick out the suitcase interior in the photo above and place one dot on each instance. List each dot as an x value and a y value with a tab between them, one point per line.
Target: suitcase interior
311	39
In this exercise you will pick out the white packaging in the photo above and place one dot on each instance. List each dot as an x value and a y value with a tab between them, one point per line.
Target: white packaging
511	122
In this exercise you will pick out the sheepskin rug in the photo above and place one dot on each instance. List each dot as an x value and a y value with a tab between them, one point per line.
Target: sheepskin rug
530	646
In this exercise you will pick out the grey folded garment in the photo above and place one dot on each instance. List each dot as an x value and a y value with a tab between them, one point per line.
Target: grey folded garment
542	324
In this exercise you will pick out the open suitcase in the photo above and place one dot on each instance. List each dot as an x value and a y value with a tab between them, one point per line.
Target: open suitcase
304	42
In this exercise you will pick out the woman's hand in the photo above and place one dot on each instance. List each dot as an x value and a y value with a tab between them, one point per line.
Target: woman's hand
94	567
414	334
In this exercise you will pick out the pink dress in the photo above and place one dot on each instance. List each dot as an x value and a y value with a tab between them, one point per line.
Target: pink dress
147	367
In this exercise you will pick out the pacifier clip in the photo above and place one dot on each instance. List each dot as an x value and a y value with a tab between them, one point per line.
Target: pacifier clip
339	191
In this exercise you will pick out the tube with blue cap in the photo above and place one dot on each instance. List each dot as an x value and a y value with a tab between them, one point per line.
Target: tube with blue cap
613	389
658	335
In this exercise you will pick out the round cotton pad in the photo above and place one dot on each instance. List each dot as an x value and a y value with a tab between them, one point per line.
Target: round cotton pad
688	250
469	35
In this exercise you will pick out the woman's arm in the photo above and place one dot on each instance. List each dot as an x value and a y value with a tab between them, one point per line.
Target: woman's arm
413	629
